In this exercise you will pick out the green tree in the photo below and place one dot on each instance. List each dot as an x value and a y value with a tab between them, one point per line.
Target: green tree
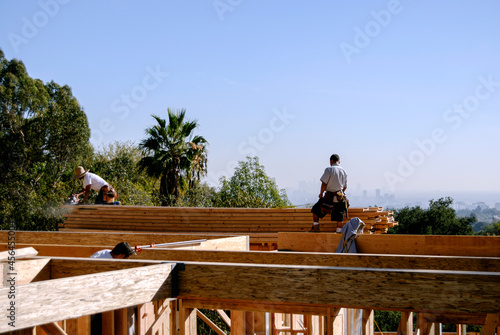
490	229
250	187
173	154
43	133
438	219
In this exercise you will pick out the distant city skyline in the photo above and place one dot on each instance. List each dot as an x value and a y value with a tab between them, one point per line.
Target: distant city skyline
358	196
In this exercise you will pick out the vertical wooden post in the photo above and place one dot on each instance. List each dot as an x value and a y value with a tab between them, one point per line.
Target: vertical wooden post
173	317
108	323
426	327
191	321
462	329
259	325
249	323
367	322
121	321
406	324
182	318
145	317
237	322
187	320
78	326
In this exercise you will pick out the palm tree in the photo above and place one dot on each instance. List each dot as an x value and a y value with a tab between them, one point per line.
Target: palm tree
173	154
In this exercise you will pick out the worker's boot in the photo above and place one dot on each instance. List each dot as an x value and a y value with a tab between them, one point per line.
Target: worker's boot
314	229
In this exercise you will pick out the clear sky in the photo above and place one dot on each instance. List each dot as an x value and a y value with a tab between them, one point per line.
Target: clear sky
406	92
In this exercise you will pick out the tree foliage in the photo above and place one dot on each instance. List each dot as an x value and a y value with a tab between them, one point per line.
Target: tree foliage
438	219
250	187
43	133
174	155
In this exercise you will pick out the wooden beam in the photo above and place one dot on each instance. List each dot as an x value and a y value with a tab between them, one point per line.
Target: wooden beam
423	290
102	238
458	263
48	301
470	246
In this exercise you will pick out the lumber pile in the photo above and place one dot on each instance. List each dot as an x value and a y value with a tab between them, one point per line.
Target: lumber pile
213	220
377	219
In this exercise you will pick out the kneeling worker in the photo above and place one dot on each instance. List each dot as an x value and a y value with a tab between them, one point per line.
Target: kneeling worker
106	195
122	250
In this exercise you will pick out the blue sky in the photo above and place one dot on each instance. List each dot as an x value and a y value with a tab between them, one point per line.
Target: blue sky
406	92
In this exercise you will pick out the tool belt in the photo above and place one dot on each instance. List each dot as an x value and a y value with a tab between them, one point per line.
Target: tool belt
109	194
328	198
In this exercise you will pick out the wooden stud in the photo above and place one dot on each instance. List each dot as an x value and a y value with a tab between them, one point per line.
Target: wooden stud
108	323
490	324
406	324
238	322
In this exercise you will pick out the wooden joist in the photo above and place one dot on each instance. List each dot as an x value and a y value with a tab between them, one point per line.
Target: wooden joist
78	290
457	263
472	246
421	290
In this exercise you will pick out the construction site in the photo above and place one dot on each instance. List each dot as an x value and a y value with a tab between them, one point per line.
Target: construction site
259	269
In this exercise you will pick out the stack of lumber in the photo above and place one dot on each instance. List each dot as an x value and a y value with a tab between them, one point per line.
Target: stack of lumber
212	220
377	219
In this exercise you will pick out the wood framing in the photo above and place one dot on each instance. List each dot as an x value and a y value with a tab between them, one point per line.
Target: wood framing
457	263
470	246
422	290
67	298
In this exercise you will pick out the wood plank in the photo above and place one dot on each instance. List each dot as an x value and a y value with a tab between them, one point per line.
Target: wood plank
73	297
423	290
458	263
101	238
473	246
